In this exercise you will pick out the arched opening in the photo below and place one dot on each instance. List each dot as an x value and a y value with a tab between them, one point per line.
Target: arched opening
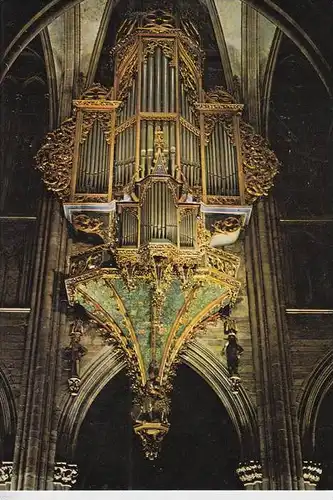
7	420
323	441
201	450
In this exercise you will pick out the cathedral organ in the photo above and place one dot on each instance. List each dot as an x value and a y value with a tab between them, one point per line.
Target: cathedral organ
163	173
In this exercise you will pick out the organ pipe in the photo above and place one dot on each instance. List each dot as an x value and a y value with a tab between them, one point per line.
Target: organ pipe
159	89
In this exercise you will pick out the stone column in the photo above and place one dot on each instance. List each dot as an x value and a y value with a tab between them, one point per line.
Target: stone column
250	65
250	474
280	445
278	425
36	437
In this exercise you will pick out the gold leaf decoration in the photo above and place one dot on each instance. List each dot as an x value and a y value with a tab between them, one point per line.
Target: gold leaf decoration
55	159
260	164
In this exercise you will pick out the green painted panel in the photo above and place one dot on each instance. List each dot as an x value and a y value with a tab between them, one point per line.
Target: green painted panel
137	302
206	294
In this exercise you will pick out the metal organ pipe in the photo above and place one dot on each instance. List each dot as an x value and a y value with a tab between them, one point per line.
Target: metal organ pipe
165	97
214	178
96	158
221	166
229	167
158	78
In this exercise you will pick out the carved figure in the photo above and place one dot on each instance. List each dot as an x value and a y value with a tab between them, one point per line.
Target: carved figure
154	405
233	351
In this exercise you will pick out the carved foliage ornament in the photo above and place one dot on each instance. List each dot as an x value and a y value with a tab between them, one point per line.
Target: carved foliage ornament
55	159
65	474
260	164
167	46
6	471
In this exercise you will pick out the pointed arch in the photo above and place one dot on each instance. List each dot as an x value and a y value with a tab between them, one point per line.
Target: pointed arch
8	416
109	363
238	406
317	385
106	365
269	9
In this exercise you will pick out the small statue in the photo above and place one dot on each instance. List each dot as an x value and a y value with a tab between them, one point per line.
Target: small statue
232	351
154	406
74	352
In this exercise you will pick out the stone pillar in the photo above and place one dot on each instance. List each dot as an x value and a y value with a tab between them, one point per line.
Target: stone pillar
311	474
36	429
280	445
36	438
65	476
250	474
6	471
278	425
250	65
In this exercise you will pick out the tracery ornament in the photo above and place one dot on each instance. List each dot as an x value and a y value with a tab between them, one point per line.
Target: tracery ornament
65	474
167	47
89	119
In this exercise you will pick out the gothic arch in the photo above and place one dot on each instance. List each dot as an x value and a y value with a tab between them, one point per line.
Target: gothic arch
109	363
270	10
238	406
102	369
316	387
8	416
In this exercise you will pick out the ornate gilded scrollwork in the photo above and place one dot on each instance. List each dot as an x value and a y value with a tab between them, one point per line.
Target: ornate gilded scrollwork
219	95
158	279
260	164
127	75
90	117
223	200
55	159
167	46
227	225
89	225
86	261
